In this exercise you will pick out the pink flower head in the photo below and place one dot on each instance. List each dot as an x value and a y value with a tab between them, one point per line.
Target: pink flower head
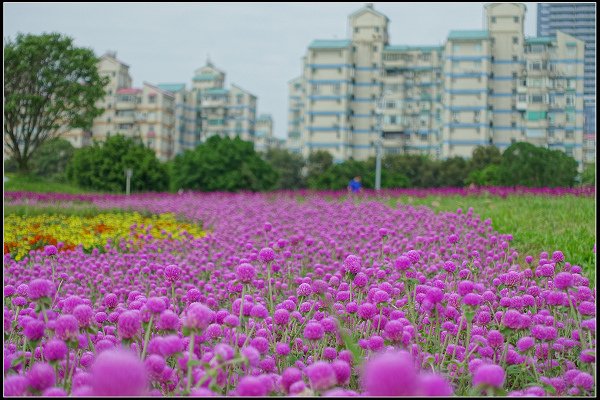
129	324
50	250
41	376
390	374
172	273
198	316
266	255
39	288
118	373
352	264
489	375
246	272
251	386
402	263
321	376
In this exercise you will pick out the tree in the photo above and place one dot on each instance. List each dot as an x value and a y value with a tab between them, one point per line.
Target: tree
484	156
488	176
289	166
420	170
102	166
222	164
318	162
524	164
51	159
453	172
49	84
588	176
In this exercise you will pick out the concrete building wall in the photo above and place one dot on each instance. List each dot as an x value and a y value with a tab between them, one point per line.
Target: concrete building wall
487	87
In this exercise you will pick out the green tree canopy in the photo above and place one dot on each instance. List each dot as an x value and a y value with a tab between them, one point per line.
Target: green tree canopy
50	160
317	163
102	166
222	164
484	156
524	164
49	86
289	166
588	176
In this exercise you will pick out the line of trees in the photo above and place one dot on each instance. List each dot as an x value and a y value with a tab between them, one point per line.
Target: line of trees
225	164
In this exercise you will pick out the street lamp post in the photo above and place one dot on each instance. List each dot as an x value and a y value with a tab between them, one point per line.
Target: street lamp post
128	173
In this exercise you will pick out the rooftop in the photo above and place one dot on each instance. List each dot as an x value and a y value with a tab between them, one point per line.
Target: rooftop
171	87
330	44
129	91
468	35
540	40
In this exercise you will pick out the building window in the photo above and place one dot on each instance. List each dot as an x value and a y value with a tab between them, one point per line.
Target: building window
152	99
516	19
536	98
514	58
376	29
514	75
513	124
515	40
356	30
569	134
374	48
493	20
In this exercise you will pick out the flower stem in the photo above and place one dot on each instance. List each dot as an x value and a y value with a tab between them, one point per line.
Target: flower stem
147	336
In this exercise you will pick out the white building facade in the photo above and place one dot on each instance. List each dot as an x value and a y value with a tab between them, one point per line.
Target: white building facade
482	87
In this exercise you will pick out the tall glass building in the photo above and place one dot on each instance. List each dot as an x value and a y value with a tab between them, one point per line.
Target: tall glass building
578	20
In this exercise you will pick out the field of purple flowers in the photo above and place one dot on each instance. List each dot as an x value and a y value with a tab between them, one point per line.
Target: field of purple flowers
281	297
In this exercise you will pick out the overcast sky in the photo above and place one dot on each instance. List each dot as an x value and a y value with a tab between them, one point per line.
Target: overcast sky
258	45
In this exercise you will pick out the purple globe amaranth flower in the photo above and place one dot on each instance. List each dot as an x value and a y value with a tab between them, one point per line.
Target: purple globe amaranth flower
587	308
558	256
342	371
281	317
304	290
168	321
83	313
290	376
413	255
50	250
390	374
111	300
119	373
172	273
251	354
15	385
434	385
352	264
39	288
489	375
563	280
246	273
55	349
156	305
198	316
251	386
129	324
321	376
34	330
54	392
402	263
525	343
313	331
584	380
495	338
67	327
472	299
266	255
41	376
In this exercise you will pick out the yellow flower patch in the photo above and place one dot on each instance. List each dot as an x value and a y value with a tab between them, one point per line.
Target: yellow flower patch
25	233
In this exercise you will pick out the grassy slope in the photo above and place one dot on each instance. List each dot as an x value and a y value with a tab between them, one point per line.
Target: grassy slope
537	223
27	183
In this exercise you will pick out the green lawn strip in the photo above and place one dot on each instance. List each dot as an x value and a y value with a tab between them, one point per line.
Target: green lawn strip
537	223
71	209
29	183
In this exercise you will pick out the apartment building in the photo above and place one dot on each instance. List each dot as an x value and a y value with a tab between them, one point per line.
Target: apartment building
296	101
168	117
264	138
481	87
578	20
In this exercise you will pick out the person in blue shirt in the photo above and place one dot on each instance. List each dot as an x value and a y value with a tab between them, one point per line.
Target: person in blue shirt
354	185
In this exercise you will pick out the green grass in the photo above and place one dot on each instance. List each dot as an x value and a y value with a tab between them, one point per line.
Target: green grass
28	183
537	223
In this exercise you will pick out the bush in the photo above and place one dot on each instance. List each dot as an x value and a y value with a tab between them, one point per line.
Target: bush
102	166
289	167
222	164
50	160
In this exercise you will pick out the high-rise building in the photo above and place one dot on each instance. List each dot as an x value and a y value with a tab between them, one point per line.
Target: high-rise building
264	138
482	87
578	20
170	118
